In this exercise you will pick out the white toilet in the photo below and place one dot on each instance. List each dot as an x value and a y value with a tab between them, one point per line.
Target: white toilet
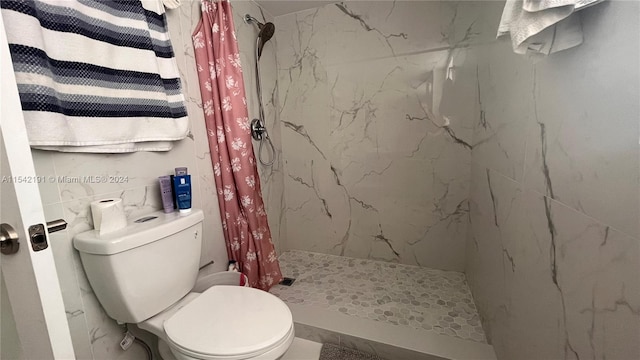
144	273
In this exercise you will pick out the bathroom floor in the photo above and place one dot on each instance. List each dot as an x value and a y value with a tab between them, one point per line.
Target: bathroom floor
403	295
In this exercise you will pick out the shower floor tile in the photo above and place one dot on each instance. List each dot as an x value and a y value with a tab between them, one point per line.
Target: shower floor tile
402	295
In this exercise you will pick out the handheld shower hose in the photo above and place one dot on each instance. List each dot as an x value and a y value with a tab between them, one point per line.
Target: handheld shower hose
258	130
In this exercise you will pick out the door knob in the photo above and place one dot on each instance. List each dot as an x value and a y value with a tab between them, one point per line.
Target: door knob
8	239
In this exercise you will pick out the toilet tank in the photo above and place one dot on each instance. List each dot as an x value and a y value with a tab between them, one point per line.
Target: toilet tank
144	268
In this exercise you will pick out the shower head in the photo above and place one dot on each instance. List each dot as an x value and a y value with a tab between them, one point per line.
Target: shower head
266	32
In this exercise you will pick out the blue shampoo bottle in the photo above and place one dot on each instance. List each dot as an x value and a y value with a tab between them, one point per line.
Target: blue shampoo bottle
182	190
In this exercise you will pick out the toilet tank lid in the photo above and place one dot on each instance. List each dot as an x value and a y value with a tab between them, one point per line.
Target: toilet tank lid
139	231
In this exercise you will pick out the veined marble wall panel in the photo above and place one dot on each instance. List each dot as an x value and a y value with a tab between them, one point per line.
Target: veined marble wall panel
553	249
365	30
375	139
507	110
581	151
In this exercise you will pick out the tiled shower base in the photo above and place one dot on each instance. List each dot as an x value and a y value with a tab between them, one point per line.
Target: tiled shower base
374	297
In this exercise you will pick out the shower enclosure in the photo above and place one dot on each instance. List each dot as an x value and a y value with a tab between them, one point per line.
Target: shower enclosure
376	170
416	144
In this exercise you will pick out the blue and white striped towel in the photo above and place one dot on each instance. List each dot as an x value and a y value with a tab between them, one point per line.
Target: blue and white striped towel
95	76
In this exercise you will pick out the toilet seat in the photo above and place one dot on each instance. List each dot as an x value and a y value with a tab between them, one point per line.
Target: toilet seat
230	322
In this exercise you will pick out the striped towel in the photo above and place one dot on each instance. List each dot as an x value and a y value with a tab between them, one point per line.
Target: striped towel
95	76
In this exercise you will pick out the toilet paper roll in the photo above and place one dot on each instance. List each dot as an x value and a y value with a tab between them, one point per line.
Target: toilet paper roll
108	215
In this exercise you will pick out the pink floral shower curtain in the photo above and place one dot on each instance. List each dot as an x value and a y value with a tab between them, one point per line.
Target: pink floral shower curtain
244	219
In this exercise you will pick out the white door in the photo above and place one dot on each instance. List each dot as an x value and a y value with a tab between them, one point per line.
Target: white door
34	322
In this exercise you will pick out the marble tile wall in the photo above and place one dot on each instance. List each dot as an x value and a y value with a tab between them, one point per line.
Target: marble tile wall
376	132
94	334
553	249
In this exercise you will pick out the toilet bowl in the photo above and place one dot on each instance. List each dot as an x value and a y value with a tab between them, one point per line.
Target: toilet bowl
224	322
144	275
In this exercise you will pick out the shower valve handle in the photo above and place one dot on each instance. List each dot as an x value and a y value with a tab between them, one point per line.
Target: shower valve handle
257	129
